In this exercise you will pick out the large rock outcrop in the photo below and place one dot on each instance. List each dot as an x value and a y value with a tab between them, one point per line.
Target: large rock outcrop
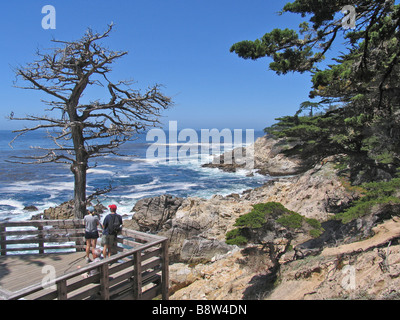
64	211
268	159
317	193
205	267
152	214
366	269
227	278
197	227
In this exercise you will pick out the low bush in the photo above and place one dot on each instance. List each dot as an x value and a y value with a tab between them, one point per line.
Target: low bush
259	216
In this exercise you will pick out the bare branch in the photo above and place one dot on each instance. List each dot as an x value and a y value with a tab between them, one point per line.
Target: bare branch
90	130
100	192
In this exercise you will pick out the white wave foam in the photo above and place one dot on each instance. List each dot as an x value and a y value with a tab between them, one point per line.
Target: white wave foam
12	203
147	186
36	186
100	171
13	211
154	188
123	176
141	195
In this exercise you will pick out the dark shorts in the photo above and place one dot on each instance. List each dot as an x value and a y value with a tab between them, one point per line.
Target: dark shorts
108	240
91	235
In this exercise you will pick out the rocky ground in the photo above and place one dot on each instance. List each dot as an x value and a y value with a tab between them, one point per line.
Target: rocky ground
359	260
368	269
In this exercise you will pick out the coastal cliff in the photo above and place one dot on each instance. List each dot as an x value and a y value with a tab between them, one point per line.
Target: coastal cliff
302	266
359	259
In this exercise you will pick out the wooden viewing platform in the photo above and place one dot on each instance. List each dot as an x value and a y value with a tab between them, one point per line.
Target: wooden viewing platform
35	266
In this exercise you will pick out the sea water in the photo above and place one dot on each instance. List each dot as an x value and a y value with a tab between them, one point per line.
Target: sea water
132	175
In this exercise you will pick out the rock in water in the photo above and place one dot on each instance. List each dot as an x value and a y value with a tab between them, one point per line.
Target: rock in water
30	208
64	211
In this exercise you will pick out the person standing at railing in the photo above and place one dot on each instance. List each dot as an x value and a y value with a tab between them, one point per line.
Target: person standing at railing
112	225
92	221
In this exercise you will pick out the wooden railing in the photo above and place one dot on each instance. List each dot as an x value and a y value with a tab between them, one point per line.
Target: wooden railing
138	271
41	236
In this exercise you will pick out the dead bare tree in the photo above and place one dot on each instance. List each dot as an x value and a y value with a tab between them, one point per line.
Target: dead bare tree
84	131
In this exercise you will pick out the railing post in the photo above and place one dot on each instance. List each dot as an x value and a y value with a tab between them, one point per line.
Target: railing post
104	282
3	238
165	271
62	290
137	287
40	238
80	242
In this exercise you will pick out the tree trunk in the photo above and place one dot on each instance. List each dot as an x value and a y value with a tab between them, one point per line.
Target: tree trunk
79	171
79	168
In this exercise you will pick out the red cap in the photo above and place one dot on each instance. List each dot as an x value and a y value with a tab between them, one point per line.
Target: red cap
113	207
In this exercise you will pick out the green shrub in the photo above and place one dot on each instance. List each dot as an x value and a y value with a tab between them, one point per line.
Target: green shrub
377	193
255	219
292	220
234	237
317	228
261	211
314	223
315	233
258	217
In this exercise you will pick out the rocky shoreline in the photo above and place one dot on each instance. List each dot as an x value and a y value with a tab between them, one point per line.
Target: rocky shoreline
268	159
203	266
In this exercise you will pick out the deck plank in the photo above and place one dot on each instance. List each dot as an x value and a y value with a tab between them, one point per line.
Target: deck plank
20	271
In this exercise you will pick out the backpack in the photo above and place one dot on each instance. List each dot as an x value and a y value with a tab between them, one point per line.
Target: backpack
114	225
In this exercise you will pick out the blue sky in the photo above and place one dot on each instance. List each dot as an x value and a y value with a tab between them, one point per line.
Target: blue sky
182	44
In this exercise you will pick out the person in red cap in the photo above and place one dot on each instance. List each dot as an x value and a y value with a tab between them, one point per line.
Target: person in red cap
112	226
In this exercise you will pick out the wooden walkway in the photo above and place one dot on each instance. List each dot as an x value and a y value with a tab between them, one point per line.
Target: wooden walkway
20	271
32	266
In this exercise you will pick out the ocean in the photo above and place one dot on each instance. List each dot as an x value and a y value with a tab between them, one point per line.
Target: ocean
134	175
